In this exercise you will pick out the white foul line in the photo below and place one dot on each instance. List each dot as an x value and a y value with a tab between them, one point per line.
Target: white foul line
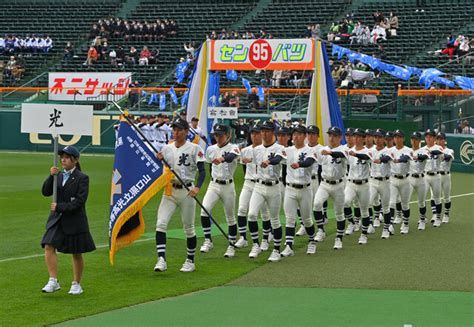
152	238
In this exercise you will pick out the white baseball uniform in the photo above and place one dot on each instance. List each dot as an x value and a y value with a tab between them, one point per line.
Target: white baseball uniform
432	168
379	179
357	185
445	172
399	186
417	176
183	161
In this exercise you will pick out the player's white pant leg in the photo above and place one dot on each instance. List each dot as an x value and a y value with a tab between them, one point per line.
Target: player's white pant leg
306	204
337	194
290	206
314	185
282	191
227	195
257	201
188	215
384	192
363	197
419	185
446	187
244	198
322	194
434	184
210	198
349	194
274	204
165	211
404	190
394	195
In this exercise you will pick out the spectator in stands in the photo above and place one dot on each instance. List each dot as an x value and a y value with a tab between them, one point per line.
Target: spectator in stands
9	66
378	34
133	95
68	51
145	54
253	100
316	32
92	56
276	78
190	48
132	57
2	45
463	45
451	47
420	4
94	32
393	21
224	99
19	69
378	17
307	32
234	100
113	58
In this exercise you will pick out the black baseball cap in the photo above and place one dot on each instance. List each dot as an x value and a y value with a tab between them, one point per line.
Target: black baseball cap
284	130
430	132
416	135
72	151
220	129
268	125
441	135
180	123
389	135
334	130
143	116
312	129
300	129
194	119
379	132
349	131
370	132
359	132
398	132
255	129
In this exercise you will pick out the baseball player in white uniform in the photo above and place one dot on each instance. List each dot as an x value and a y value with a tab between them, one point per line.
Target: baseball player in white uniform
433	178
161	132
400	169
224	158
370	144
267	158
417	179
379	181
357	185
185	158
445	173
313	143
250	180
299	195
333	160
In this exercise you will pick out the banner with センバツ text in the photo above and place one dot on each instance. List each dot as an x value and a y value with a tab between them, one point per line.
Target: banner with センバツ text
271	54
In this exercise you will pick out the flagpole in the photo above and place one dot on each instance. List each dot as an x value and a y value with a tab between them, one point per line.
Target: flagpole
172	170
55	176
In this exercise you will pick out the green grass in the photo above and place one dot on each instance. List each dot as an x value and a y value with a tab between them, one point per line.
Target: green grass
435	260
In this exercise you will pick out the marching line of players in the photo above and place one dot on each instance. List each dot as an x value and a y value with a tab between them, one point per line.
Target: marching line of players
370	180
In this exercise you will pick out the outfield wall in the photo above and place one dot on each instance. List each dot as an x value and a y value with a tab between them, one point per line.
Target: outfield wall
103	138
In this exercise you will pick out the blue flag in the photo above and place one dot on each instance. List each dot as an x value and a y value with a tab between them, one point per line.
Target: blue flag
353	56
162	101
428	76
247	85
231	75
261	94
184	99
465	83
173	95
180	70
153	98
137	176
398	72
444	81
414	70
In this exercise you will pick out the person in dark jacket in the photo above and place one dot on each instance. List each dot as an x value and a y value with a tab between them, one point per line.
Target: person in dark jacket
67	229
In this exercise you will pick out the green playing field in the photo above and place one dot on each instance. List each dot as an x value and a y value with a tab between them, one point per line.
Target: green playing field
425	277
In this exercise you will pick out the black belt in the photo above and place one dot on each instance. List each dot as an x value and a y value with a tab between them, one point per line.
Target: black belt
432	174
222	182
299	186
268	183
161	141
358	181
314	177
418	175
333	182
180	186
444	172
381	178
400	176
252	180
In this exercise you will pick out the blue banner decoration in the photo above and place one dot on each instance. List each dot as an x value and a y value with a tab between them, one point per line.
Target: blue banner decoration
415	71
137	176
184	98
444	81
173	95
162	101
261	94
398	72
428	76
465	83
247	85
153	98
231	75
180	70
